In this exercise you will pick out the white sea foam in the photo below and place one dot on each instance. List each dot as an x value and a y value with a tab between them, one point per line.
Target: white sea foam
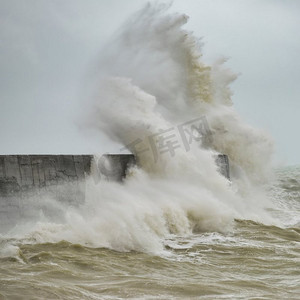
152	78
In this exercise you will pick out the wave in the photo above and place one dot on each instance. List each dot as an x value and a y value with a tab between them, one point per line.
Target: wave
154	95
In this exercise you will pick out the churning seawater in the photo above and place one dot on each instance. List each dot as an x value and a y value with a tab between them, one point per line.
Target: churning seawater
251	261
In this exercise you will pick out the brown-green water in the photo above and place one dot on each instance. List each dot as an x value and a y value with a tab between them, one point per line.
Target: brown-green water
252	261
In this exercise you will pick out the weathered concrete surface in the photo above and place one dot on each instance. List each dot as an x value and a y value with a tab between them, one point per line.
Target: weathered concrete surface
22	173
34	184
222	162
27	182
25	173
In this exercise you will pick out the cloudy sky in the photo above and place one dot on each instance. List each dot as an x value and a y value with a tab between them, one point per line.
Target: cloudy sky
47	48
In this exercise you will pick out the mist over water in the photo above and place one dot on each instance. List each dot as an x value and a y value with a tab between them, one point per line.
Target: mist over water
175	207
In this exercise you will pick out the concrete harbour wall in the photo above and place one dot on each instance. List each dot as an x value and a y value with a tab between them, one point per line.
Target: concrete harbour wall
34	184
222	162
20	173
23	174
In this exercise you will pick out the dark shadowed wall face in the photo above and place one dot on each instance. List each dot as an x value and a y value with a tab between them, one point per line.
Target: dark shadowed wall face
48	48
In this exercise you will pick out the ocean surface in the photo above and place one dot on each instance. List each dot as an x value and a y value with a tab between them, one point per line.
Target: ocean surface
251	261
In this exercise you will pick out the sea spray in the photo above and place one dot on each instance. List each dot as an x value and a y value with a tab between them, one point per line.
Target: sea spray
151	81
151	77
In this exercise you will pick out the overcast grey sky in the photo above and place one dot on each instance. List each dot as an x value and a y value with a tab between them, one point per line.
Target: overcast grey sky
48	46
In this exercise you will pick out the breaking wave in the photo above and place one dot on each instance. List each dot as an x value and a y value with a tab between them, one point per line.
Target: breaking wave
154	95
